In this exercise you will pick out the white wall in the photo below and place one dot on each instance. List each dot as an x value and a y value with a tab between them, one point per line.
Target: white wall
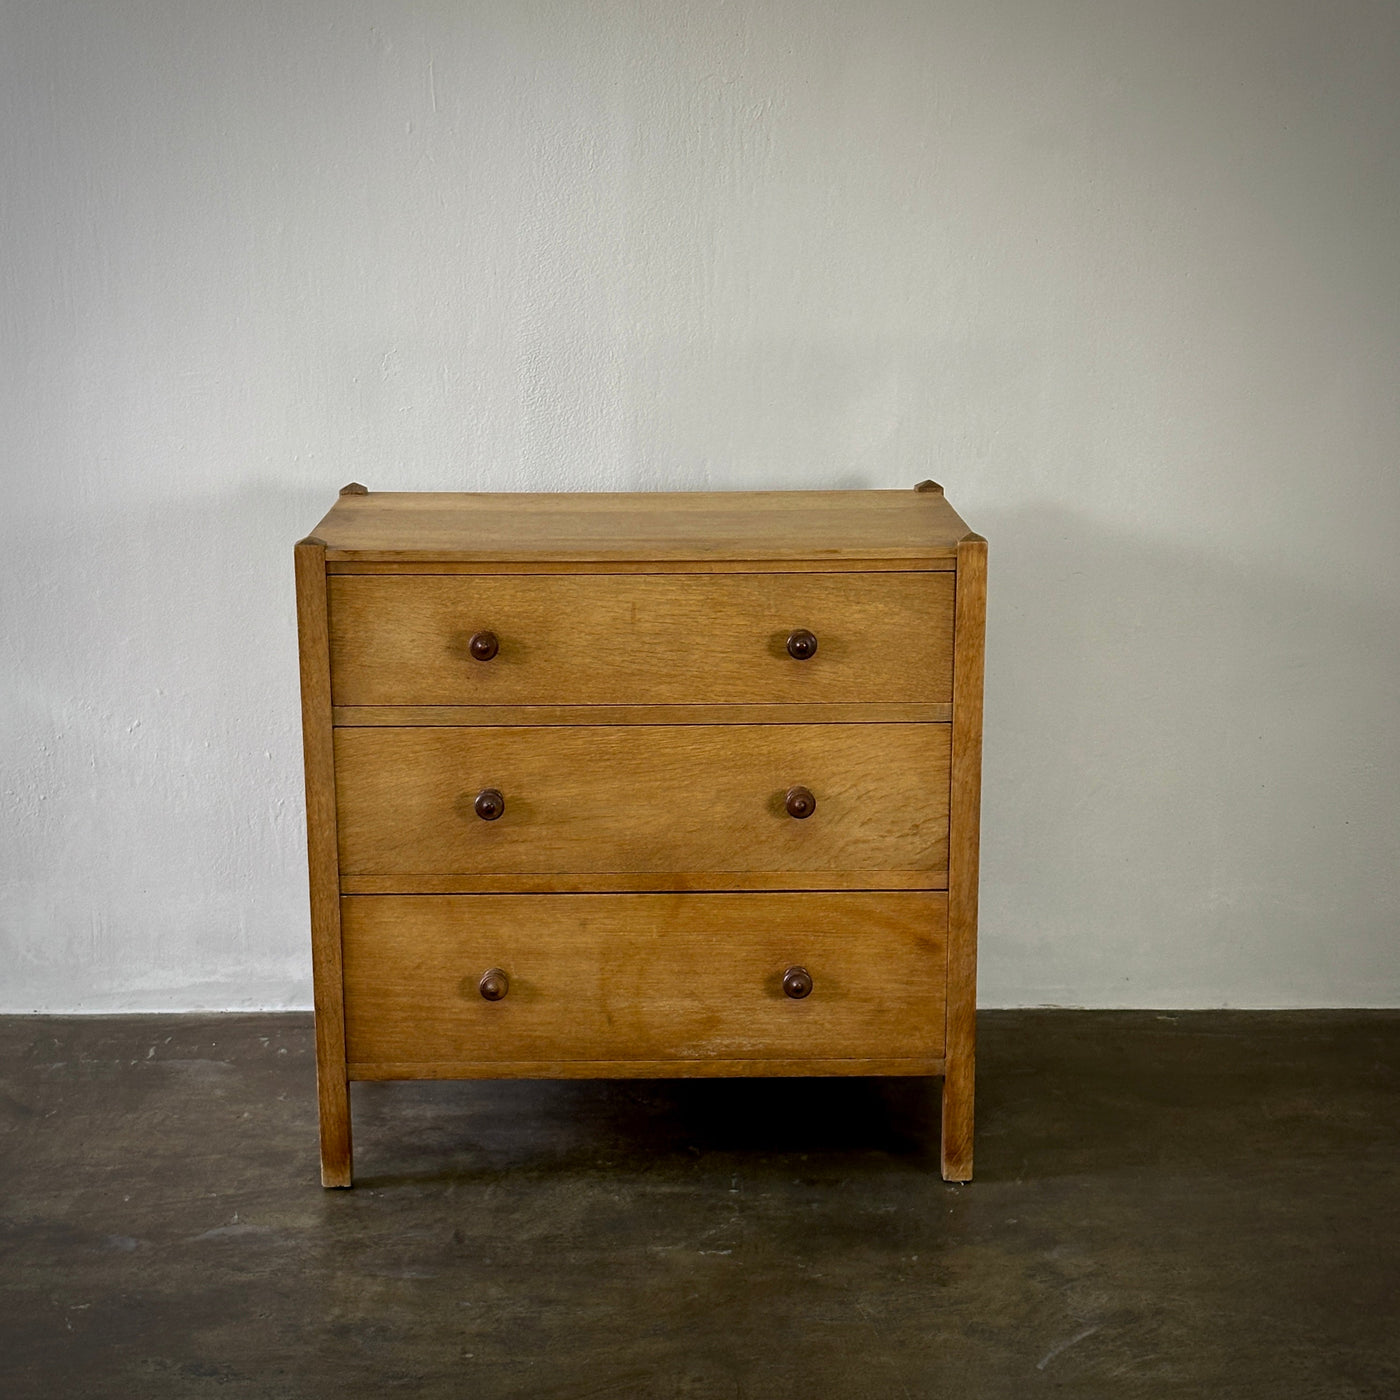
1124	276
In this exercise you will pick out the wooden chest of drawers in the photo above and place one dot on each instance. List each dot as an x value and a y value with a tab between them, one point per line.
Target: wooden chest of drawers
628	785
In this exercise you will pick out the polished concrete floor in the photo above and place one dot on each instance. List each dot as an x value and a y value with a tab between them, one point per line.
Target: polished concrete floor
1203	1205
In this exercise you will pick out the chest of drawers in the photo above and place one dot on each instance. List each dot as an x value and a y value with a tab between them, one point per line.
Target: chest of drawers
642	785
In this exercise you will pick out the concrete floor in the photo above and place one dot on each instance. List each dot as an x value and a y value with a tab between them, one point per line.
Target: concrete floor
1203	1205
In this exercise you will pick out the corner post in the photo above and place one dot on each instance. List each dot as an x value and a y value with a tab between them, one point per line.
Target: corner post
964	825
323	861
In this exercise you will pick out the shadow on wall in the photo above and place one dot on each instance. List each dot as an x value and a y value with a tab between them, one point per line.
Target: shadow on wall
1191	772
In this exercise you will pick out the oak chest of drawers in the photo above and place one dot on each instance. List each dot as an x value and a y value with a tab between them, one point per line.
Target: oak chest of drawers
642	785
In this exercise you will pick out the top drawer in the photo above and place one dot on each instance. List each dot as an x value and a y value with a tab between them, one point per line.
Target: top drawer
608	639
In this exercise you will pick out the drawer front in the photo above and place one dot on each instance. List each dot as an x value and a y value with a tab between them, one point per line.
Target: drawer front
606	639
608	977
644	798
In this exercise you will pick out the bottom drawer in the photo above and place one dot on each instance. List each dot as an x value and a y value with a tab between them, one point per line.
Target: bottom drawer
643	983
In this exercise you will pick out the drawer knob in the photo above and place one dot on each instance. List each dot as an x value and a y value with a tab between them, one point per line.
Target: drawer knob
800	803
489	805
494	984
801	644
797	983
483	646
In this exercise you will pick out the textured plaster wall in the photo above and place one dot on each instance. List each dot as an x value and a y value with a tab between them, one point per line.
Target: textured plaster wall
1123	276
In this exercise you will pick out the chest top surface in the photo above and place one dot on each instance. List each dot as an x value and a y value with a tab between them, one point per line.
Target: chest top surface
664	527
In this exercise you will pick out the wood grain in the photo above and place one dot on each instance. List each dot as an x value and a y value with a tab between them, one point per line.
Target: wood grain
643	798
569	716
645	881
964	839
669	526
415	564
711	1067
643	977
324	877
645	639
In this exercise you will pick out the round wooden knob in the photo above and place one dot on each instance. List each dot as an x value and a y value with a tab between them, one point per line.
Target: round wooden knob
797	983
489	804
800	802
495	984
801	644
483	646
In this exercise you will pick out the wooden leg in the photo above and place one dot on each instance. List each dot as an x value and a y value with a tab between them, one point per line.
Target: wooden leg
965	796
957	1121
334	1095
322	860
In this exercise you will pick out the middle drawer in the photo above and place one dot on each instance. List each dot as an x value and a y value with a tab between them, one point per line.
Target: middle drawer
675	800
